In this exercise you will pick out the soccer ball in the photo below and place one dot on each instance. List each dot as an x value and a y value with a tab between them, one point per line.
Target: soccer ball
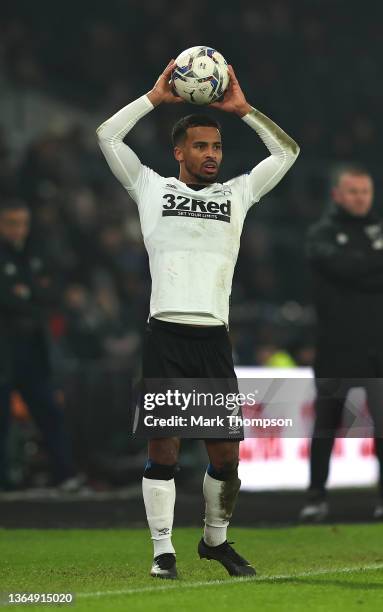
201	75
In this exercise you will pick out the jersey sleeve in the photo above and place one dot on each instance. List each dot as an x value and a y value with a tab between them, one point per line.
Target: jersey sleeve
283	153
122	160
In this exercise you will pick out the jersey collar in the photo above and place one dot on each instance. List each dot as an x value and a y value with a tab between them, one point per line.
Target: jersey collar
206	188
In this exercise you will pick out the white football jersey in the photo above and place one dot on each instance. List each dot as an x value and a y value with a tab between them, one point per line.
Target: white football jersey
192	236
192	239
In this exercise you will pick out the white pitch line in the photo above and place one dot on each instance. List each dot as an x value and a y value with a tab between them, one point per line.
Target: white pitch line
174	585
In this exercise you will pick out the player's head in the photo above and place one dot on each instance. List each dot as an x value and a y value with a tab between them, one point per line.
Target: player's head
14	222
198	148
353	190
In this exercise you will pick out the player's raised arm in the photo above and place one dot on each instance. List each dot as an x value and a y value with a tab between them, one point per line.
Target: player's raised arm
123	162
283	149
283	153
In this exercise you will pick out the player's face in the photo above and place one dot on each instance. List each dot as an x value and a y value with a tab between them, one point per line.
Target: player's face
200	155
14	226
354	194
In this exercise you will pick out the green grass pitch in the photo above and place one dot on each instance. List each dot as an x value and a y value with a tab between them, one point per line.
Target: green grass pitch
300	568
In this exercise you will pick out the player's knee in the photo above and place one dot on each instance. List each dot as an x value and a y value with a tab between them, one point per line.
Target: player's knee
224	456
163	457
164	451
224	470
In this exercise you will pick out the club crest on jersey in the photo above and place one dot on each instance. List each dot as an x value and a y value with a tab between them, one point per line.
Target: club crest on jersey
224	191
182	206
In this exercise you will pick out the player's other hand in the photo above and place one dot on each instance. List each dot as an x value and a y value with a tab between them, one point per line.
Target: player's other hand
234	100
162	90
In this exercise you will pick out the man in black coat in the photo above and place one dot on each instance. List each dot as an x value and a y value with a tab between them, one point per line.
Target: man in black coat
345	251
26	290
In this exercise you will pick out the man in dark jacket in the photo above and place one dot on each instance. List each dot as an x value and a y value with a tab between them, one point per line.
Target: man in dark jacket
345	250
26	289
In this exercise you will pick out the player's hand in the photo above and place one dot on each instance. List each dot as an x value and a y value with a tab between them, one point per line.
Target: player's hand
234	100
162	90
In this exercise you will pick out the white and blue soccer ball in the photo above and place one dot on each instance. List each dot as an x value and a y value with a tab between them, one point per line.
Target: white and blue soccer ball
201	75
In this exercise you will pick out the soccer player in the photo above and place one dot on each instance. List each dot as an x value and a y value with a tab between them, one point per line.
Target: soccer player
191	228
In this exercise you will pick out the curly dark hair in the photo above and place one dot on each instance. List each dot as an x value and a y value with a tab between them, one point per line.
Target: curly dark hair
180	128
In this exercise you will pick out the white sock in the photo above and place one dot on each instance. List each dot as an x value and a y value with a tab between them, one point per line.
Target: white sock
217	512
159	499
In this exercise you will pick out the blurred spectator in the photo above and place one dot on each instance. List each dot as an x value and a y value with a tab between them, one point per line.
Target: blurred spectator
345	249
27	289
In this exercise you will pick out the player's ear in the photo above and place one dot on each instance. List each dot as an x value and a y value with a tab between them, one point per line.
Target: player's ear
178	154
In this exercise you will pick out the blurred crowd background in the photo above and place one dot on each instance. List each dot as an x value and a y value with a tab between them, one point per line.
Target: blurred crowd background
314	67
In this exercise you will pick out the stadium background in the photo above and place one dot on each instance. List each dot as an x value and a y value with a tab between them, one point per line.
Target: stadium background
314	67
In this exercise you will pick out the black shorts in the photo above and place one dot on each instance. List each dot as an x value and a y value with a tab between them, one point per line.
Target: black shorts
194	360
173	350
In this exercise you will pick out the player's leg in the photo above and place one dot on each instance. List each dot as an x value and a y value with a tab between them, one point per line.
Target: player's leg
159	497
221	483
221	486
164	358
